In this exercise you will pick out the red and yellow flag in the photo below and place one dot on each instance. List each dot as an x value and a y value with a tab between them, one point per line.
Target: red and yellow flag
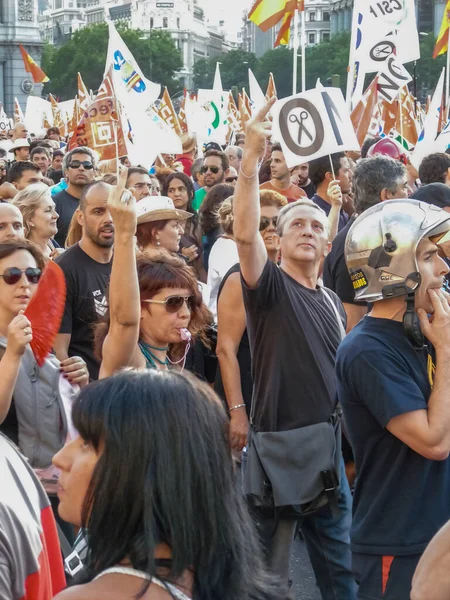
31	67
267	13
442	39
84	99
167	112
271	88
182	119
58	118
363	112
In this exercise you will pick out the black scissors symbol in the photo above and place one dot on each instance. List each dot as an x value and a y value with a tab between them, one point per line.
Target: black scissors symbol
299	120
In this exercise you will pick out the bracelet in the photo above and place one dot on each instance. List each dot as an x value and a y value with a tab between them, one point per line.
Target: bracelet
236	407
247	176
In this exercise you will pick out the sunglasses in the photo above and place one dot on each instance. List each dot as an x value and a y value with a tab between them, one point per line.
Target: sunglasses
205	169
231	179
76	164
174	303
13	275
265	222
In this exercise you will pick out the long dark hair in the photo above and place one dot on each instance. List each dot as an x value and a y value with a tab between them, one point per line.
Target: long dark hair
165	476
192	223
210	204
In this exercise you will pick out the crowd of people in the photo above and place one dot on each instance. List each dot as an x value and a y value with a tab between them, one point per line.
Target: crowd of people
247	353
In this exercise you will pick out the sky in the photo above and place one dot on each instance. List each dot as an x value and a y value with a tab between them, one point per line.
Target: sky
230	11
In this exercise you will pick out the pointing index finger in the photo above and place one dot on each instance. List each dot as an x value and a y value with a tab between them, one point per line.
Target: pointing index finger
264	111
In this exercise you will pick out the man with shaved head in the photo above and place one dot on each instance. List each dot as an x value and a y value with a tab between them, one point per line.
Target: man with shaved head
87	268
11	222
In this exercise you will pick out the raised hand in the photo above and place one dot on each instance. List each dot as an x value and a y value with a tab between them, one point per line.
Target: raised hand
257	131
334	193
122	206
19	335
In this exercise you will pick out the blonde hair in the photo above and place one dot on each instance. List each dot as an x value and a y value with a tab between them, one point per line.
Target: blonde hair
74	233
224	215
28	200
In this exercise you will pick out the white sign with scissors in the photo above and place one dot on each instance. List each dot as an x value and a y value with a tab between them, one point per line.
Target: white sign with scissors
313	124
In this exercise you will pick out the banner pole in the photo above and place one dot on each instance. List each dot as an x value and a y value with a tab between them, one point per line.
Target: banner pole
400	105
295	61
447	89
303	34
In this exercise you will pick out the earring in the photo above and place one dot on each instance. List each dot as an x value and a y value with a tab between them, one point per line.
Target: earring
158	243
31	224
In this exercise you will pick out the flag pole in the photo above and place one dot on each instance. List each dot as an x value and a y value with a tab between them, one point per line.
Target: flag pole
400	105
447	89
303	50
295	62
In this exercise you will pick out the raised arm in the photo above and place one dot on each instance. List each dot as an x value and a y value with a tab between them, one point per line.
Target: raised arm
246	209
120	344
335	195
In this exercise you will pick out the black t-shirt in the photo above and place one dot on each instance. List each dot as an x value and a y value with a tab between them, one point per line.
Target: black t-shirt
343	216
66	205
335	272
294	335
401	498
309	189
87	281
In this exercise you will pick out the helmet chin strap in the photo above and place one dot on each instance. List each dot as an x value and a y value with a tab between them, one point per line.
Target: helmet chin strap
411	323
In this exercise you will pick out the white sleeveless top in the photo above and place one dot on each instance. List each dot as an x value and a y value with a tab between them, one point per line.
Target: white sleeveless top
135	573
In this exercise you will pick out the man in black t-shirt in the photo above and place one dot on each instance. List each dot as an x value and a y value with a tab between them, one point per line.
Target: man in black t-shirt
375	180
393	384
87	269
294	328
78	169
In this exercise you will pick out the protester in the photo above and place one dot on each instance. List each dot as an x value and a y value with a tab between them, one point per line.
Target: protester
189	146
431	580
21	150
375	180
57	160
153	310
20	132
435	168
39	217
208	217
215	169
196	175
53	133
117	473
30	557
139	180
368	143
23	174
437	194
78	167
156	187
294	327
391	371
300	177
232	176
234	154
281	177
41	158
322	172
234	382
11	223
87	269
179	188
3	170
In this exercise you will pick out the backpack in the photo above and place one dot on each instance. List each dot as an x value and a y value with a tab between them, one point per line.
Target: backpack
42	426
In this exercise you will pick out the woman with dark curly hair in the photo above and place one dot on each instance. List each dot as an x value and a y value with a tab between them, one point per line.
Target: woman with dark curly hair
208	217
180	189
154	309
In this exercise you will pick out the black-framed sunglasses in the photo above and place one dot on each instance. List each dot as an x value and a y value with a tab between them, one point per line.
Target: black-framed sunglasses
174	303
206	168
231	179
76	164
264	222
13	275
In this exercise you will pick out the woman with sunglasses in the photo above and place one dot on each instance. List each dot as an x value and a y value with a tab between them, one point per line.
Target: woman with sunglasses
151	479
39	217
180	189
38	423
233	379
155	309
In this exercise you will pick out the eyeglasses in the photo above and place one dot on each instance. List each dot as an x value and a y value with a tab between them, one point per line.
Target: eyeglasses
213	169
76	164
13	275
231	179
174	303
264	222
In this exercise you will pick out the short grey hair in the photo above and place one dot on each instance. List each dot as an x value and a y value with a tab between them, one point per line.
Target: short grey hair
282	215
80	150
239	151
372	176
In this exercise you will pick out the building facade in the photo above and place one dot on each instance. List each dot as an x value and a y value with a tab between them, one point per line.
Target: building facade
183	19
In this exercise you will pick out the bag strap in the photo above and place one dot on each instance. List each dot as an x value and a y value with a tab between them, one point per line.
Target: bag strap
336	312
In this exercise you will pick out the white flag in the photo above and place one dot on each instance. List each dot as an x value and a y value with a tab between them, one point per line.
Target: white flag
134	91
256	94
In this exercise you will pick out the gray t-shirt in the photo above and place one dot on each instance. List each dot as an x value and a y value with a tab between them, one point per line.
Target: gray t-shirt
294	335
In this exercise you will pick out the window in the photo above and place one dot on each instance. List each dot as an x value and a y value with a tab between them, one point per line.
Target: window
325	36
312	38
178	22
151	22
326	16
165	22
312	16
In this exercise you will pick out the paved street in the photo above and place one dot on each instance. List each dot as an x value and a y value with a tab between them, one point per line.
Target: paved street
302	575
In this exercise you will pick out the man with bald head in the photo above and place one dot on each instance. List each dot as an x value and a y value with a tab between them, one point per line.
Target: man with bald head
11	222
19	132
87	269
234	154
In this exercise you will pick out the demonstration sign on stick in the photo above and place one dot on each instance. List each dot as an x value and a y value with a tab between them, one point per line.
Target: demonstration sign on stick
313	124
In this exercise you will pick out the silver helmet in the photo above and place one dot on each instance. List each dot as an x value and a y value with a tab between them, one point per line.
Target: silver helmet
381	247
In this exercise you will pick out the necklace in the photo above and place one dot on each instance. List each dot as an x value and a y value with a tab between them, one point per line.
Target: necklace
150	357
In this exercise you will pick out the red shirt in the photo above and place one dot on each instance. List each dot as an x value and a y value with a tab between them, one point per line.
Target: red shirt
292	193
187	161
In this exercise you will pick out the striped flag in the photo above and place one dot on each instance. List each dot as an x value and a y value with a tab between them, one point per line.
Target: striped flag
442	40
267	13
31	67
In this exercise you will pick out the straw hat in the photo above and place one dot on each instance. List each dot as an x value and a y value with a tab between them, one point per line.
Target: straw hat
188	142
19	143
158	208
